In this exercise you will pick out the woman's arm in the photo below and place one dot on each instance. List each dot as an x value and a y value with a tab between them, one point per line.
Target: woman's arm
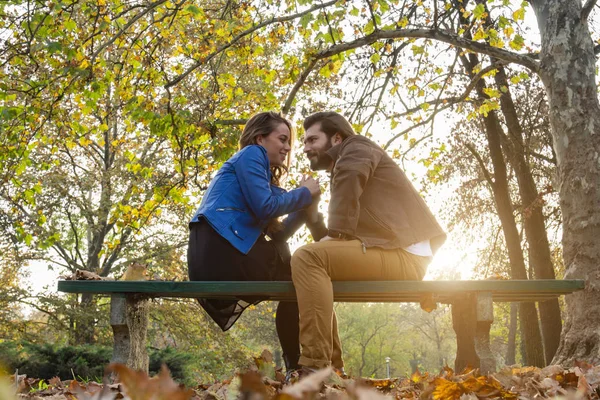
252	172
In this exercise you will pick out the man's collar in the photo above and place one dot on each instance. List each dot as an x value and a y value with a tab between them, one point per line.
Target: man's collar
334	151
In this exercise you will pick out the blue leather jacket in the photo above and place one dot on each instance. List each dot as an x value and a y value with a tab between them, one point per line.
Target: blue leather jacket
240	201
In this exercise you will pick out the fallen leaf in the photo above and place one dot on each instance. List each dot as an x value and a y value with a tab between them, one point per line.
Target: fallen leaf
311	383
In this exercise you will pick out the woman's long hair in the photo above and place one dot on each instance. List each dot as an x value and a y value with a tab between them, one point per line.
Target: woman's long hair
262	124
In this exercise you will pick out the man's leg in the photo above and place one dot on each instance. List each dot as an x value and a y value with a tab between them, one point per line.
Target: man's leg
315	265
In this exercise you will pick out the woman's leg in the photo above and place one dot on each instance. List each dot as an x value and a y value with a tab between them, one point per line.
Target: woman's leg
287	317
288	331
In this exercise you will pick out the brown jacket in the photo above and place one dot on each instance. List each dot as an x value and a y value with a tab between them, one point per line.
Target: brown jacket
373	200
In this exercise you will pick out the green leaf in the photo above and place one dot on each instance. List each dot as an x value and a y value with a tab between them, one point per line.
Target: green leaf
517	43
479	11
193	9
54	47
305	20
418	49
70	25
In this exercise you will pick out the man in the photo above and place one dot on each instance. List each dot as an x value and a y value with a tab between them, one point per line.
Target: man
379	228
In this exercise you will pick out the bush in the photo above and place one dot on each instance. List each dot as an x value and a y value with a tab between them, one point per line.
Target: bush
46	361
179	363
85	362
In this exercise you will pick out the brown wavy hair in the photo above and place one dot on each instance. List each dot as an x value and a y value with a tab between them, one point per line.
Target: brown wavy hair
262	124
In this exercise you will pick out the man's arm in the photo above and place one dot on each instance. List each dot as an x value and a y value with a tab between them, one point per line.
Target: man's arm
354	167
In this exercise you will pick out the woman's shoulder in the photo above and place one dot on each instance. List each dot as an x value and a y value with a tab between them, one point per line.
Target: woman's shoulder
252	152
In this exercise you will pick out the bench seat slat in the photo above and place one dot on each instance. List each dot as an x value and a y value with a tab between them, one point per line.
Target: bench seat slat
372	291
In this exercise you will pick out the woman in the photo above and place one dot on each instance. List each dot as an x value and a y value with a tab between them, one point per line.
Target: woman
235	234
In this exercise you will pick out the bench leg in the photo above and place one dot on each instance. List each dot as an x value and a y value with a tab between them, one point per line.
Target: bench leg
472	317
129	321
485	317
118	321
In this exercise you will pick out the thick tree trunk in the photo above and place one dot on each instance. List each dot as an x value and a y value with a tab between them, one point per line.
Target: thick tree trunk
540	259
567	68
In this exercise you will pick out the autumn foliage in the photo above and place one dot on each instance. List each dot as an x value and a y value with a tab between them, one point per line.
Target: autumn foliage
120	382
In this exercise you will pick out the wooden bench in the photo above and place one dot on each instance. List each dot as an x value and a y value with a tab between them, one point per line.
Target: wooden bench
471	301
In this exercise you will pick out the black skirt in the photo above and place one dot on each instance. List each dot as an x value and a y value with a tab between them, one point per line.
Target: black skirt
213	258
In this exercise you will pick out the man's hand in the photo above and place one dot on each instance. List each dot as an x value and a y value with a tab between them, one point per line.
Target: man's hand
311	184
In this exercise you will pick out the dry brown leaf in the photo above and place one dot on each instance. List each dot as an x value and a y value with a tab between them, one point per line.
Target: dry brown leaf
428	302
364	393
252	382
385	384
311	383
446	390
135	272
138	386
82	275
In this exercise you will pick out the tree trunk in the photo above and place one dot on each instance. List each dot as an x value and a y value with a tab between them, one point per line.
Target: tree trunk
511	350
534	354
540	259
567	69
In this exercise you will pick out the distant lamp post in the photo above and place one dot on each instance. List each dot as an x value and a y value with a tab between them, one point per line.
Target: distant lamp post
387	366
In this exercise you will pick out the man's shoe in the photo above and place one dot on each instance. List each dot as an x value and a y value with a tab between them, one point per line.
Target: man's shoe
294	375
341	373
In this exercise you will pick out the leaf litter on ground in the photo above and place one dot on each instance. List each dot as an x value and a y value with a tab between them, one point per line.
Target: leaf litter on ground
264	381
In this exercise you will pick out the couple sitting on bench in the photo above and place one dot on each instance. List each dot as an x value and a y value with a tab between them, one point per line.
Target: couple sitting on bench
379	228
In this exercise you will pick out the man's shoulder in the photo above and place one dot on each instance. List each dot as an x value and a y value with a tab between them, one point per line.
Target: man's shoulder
359	141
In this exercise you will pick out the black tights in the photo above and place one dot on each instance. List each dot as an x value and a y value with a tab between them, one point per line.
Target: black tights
288	331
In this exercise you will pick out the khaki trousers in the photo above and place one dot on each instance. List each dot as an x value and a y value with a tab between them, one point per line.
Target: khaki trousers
315	265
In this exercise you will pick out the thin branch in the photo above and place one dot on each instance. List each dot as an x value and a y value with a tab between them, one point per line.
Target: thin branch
449	102
372	15
298	85
477	156
243	34
230	122
455	99
133	20
543	157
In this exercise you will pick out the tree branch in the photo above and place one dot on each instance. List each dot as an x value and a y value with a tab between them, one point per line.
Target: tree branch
245	33
298	85
587	9
438	35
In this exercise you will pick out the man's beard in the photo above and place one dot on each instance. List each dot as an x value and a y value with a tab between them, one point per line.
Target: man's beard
319	159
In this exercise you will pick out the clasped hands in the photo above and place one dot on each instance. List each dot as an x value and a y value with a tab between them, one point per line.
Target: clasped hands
312	211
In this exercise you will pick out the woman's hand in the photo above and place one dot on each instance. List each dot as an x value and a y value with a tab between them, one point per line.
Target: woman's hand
311	184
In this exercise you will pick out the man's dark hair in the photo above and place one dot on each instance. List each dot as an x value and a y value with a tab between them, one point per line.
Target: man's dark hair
331	123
